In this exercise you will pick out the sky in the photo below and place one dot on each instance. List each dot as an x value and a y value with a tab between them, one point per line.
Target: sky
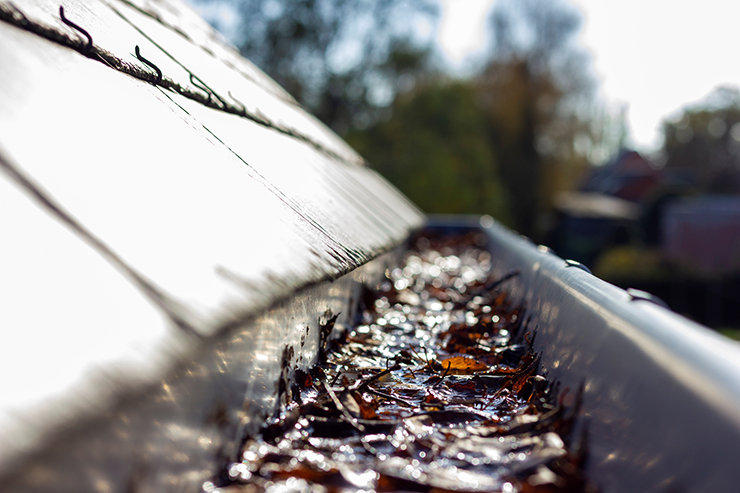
462	28
651	57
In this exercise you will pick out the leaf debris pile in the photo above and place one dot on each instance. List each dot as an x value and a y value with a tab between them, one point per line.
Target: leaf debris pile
436	389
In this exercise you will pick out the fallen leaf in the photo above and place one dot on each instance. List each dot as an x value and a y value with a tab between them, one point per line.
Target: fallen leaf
462	365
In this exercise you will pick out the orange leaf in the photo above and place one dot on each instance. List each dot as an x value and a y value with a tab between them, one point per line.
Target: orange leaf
462	365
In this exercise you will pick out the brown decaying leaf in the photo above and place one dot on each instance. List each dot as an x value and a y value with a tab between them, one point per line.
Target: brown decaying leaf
476	392
463	365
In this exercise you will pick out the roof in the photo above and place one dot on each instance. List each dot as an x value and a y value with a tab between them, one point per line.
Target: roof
155	187
628	176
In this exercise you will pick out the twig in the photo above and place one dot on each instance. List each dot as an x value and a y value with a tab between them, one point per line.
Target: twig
494	284
371	450
342	409
336	377
424	359
363	384
390	397
449	365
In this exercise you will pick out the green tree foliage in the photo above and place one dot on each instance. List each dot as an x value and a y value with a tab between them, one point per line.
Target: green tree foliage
705	143
537	95
502	142
343	59
506	141
436	150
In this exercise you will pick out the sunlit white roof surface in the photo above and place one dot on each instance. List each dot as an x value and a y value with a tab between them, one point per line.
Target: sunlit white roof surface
138	219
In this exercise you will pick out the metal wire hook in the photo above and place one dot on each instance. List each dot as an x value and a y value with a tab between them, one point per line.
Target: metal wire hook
89	44
243	109
203	87
149	64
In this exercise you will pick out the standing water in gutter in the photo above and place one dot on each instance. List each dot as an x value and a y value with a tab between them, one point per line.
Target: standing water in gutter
436	389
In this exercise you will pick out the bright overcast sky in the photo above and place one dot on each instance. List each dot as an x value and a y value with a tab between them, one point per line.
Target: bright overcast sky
658	56
655	56
462	28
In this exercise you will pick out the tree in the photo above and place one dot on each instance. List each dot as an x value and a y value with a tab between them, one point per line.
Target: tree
344	60
435	148
537	95
518	132
704	142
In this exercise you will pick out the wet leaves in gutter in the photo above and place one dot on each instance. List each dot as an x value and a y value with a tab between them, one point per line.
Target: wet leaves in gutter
436	389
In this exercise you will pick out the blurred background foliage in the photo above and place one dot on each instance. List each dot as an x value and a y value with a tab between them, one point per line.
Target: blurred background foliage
522	137
502	141
435	148
704	143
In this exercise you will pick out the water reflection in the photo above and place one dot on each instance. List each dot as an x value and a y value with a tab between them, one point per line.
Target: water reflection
428	391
